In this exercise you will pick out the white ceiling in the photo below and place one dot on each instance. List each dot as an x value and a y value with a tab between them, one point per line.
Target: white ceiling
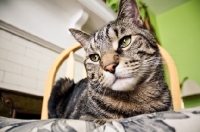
161	6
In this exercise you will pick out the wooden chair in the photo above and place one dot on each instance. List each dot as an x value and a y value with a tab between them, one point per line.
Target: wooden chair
68	53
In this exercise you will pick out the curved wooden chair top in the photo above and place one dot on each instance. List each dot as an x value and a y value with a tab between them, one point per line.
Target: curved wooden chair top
171	68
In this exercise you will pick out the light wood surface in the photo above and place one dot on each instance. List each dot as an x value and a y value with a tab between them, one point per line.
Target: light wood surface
171	67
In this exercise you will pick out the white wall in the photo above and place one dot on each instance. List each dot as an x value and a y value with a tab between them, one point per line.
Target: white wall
38	17
24	65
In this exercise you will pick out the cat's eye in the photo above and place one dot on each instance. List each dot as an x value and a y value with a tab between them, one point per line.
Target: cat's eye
94	57
125	41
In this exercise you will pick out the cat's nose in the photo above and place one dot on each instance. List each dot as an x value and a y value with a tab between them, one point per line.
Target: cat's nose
111	67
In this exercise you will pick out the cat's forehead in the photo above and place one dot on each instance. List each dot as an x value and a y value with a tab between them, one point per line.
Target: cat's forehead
108	36
114	28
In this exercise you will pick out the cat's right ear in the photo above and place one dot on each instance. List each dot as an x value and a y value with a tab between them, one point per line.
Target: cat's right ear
128	9
81	37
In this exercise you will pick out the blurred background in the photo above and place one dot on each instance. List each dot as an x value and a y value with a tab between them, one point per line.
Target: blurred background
34	32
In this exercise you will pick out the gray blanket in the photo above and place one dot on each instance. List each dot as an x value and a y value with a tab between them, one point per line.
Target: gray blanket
187	120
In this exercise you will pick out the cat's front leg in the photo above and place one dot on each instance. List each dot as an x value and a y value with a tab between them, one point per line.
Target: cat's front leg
98	121
104	121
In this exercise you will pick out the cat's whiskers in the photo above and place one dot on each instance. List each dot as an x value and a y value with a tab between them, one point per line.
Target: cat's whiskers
141	68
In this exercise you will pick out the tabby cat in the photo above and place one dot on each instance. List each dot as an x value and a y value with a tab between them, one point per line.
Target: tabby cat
124	73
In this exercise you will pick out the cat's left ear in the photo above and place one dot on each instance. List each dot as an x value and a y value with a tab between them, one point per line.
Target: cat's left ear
81	37
129	9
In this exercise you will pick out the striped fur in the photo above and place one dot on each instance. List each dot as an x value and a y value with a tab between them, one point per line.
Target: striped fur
124	82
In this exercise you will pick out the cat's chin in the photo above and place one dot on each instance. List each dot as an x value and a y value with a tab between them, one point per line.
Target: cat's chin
124	84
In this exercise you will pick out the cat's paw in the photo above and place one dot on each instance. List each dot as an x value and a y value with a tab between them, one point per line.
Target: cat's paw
104	121
101	121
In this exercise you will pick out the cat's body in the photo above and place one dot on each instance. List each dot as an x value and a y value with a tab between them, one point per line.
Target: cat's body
125	75
82	101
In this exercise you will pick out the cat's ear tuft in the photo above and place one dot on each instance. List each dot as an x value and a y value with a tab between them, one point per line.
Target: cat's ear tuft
81	37
129	9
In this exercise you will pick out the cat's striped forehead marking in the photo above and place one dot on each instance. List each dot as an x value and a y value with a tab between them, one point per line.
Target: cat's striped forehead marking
95	36
102	39
113	35
107	29
93	47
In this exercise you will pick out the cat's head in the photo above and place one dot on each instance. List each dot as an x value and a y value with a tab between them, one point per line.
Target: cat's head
117	55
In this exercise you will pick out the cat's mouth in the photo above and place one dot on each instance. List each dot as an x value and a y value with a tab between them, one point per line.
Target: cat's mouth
123	84
119	82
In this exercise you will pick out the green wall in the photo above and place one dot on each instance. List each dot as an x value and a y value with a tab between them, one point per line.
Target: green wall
179	33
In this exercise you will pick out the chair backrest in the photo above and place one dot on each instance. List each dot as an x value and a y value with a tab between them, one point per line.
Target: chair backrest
68	53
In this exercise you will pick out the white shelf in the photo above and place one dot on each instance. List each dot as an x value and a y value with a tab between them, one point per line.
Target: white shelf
100	9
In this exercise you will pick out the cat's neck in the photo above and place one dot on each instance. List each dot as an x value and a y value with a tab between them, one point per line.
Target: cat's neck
147	90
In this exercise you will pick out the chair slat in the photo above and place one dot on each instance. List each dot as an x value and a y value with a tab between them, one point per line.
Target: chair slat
84	71
70	66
